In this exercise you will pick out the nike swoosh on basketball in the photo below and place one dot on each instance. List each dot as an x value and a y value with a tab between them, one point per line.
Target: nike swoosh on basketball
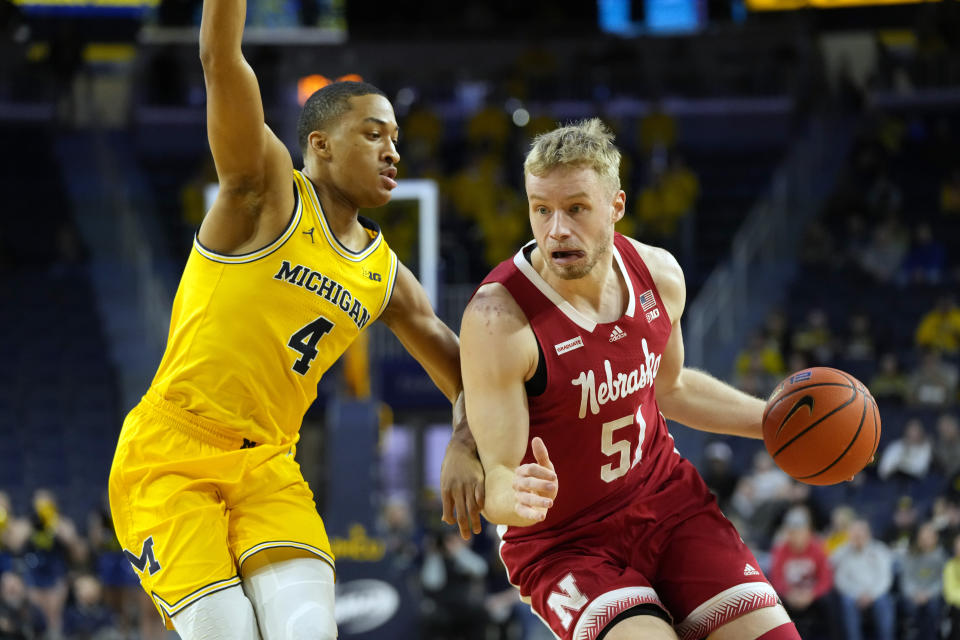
805	401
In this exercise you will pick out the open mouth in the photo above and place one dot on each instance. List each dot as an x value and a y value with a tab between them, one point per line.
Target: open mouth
566	255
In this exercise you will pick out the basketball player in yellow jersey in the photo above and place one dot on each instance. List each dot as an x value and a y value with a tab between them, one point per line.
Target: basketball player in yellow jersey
207	500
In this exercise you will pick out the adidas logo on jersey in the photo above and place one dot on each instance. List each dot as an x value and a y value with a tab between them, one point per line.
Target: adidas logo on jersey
748	570
617	333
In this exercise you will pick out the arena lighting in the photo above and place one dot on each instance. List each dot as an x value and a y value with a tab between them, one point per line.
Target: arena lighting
307	85
780	5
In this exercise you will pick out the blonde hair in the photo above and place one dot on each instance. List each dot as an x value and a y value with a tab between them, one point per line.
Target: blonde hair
587	143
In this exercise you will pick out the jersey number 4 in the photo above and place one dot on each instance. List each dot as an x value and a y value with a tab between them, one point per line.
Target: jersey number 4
304	341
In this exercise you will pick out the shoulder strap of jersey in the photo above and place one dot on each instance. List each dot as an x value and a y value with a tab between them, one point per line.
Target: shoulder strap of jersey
635	265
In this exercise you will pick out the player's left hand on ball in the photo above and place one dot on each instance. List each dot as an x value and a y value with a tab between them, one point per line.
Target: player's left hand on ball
535	484
461	487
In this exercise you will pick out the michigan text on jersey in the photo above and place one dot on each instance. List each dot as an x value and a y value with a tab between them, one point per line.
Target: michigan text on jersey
327	288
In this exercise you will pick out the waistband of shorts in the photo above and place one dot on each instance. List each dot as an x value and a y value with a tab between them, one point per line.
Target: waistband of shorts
203	429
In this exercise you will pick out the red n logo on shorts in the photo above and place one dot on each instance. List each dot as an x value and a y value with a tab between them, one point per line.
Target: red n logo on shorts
571	599
146	561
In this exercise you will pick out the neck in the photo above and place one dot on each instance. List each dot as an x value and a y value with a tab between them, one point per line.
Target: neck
600	293
340	213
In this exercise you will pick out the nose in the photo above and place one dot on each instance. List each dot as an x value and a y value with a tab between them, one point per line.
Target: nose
391	152
559	227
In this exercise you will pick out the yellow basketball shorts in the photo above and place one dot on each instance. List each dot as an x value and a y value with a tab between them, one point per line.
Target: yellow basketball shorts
191	502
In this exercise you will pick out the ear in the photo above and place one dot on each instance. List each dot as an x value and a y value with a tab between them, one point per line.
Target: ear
319	143
619	206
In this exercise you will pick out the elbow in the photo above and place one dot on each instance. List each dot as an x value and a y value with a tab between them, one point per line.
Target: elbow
214	56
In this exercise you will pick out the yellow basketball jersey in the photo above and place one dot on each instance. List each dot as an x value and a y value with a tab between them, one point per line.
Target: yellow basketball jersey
251	335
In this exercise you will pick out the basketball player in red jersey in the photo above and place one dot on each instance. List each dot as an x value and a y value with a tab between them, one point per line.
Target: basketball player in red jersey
572	355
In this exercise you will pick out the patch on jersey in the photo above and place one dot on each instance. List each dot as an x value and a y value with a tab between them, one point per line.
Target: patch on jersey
568	345
749	570
653	315
617	333
647	300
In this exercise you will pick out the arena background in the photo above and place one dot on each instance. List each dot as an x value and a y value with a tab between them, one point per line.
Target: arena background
799	157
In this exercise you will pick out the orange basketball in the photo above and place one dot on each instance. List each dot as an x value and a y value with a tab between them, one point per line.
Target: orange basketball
821	426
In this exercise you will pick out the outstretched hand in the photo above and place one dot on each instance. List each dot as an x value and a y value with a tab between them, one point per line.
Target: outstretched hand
535	484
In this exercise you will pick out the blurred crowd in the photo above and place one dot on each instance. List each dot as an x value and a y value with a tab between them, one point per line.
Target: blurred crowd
875	296
59	580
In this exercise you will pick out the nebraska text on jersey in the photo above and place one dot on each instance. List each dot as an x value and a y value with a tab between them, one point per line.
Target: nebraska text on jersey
616	387
327	288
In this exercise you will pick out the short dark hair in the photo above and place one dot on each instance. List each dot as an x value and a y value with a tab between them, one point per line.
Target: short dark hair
329	103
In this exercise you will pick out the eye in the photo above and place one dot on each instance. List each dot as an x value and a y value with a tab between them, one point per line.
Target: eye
576	208
542	210
374	135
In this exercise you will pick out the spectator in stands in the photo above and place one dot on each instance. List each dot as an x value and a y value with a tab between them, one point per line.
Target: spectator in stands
758	366
760	495
926	263
933	383
946	519
801	574
950	193
882	257
863	575
718	473
946	453
814	338
423	134
859	343
452	579
889	383
663	202
921	584
951	590
19	620
776	332
908	456
88	618
939	328
489	128
657	131
839	531
6	516
903	526
52	545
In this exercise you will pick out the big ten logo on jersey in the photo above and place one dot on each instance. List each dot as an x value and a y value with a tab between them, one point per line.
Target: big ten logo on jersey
376	277
146	561
568	599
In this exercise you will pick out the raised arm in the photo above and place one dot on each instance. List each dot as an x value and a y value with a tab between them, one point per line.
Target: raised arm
426	337
498	353
689	396
256	198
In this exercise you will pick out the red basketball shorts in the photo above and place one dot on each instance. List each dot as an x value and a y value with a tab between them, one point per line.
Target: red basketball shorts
673	549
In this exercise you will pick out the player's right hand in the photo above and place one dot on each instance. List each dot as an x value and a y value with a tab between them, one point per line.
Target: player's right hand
535	485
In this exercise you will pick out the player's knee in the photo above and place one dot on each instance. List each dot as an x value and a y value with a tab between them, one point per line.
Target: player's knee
293	599
224	615
310	622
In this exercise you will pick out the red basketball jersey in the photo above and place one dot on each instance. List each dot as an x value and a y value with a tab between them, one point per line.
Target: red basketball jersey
598	415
